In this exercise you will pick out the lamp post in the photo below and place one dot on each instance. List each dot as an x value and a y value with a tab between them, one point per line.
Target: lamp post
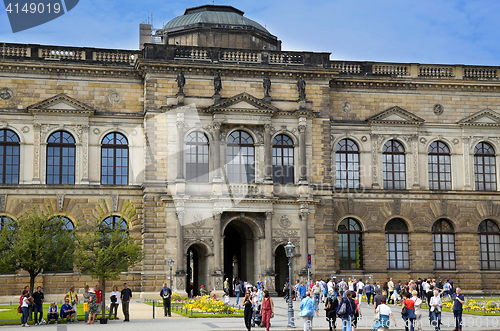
290	252
171	264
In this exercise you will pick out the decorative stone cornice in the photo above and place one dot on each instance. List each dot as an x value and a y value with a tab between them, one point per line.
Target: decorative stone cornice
395	115
409	84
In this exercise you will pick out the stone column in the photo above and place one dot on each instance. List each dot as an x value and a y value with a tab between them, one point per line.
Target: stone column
85	161
304	215
466	141
302	149
269	244
180	239
216	151
268	155
36	153
414	143
180	146
217	241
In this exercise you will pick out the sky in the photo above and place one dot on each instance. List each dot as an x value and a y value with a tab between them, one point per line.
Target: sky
401	31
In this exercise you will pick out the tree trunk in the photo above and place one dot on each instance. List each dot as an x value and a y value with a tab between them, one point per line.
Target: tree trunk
31	307
103	298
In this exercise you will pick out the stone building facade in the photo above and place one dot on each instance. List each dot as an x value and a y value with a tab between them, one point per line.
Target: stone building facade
380	169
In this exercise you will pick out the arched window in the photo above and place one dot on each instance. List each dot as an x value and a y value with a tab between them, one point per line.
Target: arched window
114	159
6	222
439	166
396	237
61	158
489	245
347	164
394	165
9	157
444	245
115	222
240	158
485	167
283	160
197	157
350	244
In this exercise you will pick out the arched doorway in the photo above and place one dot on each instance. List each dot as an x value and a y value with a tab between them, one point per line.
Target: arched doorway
196	269
239	252
280	268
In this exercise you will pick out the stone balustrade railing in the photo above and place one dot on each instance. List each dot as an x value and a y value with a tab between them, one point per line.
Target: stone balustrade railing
161	52
243	189
60	54
9	50
235	56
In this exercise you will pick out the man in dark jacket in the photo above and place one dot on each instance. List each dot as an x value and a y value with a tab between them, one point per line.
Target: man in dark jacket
166	295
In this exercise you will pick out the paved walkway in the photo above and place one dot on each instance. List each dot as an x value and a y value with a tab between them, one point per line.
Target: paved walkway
141	319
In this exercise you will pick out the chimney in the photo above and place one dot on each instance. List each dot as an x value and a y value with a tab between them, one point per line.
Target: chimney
145	32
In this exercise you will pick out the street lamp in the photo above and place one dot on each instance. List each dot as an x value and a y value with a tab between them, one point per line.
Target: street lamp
171	264
290	252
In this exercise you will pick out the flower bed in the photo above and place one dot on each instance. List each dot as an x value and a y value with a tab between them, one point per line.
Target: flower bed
480	305
207	304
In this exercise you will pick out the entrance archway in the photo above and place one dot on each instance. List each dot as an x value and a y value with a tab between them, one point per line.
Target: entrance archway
280	268
239	252
196	269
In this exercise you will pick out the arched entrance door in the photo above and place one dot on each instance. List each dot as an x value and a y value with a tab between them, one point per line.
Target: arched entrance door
196	269
239	252
280	268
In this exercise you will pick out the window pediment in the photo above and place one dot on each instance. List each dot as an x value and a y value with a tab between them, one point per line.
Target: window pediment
485	117
243	102
395	115
61	104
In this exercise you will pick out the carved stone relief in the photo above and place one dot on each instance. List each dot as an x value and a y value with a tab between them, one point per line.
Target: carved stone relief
3	202
346	107
286	233
397	206
284	221
197	220
114	98
438	109
60	202
198	233
6	93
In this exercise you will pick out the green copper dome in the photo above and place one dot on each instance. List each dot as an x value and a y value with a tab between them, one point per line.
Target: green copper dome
212	14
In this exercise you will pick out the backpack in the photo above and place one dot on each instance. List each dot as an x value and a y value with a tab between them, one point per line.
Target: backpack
343	309
166	293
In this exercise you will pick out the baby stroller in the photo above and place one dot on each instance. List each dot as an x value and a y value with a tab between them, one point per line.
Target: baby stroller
257	317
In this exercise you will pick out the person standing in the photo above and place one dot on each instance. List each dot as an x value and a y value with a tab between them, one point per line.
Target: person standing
390	288
377	300
418	311
360	287
93	306
38	305
86	296
308	308
331	310
237	290
226	285
72	296
114	297
166	295
302	291
342	287
267	310
368	292
345	311
98	293
384	312
316	290
435	310
26	299
125	297
248	310
410	312
457	307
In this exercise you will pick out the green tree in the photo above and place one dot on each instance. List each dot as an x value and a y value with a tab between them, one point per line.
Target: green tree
104	251
35	242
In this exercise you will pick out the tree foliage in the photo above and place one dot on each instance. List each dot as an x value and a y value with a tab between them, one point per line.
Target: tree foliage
104	252
36	242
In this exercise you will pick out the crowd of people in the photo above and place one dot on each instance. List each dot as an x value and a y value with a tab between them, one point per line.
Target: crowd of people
92	298
343	301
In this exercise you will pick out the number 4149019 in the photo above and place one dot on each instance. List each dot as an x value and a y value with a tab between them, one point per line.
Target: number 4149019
34	8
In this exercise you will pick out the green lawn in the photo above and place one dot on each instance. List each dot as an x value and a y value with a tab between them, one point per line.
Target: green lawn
12	317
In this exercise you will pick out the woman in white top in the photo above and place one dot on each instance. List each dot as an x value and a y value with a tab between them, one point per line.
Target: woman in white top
418	311
384	312
114	296
435	310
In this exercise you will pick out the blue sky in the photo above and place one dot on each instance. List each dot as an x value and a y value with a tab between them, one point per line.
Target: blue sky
407	31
